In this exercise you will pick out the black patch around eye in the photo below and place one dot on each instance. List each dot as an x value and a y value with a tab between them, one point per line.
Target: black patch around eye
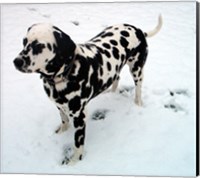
25	41
37	47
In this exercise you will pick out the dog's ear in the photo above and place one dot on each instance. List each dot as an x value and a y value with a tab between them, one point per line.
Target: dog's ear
65	46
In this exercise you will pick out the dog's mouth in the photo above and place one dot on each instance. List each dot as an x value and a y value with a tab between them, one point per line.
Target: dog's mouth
25	70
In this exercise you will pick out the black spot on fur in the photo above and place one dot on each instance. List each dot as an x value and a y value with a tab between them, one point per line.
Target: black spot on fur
115	77
123	42
115	53
114	42
26	50
109	66
117	68
55	94
61	100
101	51
122	58
31	27
82	49
106	45
71	86
37	47
88	46
49	46
47	90
101	71
75	104
99	58
54	65
54	48
107	53
83	70
125	33
80	157
79	121
99	35
108	28
79	137
109	82
56	28
25	41
85	91
27	60
142	49
107	35
97	40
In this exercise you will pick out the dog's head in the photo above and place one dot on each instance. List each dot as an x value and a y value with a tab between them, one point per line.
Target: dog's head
46	50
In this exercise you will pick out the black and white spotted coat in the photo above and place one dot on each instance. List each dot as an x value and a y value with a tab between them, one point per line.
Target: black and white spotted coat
73	74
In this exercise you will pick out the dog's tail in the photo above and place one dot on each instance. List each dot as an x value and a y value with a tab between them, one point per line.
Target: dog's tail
156	29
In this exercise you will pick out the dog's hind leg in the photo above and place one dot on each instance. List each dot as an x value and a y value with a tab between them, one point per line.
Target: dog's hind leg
136	64
65	123
138	79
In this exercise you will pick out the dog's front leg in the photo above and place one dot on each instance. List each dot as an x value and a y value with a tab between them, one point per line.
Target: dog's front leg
79	138
65	122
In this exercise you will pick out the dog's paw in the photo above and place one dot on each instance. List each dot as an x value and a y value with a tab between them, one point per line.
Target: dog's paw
69	161
138	102
62	128
72	156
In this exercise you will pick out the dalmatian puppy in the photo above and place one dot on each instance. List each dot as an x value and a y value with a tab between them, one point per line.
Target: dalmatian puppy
73	74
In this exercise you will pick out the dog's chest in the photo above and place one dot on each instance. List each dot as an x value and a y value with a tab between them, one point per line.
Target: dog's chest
60	93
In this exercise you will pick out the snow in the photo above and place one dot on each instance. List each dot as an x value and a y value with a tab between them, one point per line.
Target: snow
157	139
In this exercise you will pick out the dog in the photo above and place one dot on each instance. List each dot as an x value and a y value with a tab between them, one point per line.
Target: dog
73	74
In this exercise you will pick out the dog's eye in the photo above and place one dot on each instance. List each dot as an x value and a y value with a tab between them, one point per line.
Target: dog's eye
25	41
37	47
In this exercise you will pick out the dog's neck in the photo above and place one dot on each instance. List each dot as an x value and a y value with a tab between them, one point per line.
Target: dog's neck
61	75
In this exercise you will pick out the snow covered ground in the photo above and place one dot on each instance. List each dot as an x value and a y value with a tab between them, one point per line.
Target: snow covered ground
156	139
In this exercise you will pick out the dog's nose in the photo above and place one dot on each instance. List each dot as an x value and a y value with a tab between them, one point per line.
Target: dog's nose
18	62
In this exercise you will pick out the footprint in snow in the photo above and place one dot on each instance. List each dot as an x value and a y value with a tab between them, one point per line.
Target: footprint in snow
172	104
179	92
32	9
99	114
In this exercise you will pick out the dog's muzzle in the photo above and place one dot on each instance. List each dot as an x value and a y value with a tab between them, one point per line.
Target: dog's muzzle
18	63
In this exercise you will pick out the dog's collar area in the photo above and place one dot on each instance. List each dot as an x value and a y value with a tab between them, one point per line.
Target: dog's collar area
53	81
61	75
